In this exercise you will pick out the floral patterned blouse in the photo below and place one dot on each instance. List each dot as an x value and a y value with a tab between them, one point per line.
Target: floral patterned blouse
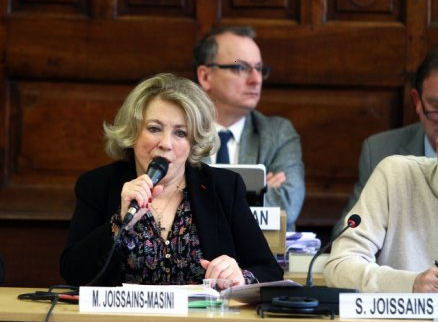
149	259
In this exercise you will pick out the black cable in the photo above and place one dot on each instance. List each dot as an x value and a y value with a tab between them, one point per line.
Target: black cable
42	296
52	306
71	296
110	255
51	296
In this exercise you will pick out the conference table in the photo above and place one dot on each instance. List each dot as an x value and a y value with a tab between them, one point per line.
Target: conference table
12	309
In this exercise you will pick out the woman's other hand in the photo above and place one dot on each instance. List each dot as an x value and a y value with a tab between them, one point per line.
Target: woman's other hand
223	267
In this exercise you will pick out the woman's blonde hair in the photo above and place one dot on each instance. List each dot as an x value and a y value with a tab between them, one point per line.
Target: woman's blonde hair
198	109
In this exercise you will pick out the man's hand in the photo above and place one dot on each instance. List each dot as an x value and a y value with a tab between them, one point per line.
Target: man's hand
275	180
426	282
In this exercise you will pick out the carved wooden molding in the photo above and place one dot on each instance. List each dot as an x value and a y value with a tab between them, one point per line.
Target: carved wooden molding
49	7
156	8
365	10
265	9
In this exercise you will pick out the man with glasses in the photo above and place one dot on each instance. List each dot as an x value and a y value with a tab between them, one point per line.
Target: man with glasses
416	139
229	67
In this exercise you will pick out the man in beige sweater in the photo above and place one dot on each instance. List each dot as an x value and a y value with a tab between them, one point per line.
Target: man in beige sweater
394	248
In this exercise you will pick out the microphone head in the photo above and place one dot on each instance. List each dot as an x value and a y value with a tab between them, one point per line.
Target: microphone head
159	163
354	221
157	169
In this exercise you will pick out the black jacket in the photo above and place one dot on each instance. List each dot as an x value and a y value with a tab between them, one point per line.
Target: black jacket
224	222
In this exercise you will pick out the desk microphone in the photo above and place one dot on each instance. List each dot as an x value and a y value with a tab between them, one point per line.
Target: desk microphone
156	170
327	297
352	222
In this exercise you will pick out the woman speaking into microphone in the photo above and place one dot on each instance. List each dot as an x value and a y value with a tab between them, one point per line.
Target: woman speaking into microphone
193	223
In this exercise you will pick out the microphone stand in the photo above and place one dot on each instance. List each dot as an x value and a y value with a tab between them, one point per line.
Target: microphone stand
328	297
309	280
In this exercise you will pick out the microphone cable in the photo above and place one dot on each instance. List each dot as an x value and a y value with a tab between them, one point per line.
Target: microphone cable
54	297
157	169
71	296
110	255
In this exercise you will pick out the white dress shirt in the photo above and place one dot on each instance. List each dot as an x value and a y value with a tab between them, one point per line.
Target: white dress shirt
233	144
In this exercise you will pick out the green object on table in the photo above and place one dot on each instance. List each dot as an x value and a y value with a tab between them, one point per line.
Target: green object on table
203	304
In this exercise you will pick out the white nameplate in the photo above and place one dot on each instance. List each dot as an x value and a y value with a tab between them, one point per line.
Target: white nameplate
388	305
267	217
155	299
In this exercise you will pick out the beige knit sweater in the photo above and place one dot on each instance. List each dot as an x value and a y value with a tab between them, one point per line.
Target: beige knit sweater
398	235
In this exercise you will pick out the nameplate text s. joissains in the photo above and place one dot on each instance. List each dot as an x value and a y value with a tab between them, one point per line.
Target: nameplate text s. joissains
153	299
388	305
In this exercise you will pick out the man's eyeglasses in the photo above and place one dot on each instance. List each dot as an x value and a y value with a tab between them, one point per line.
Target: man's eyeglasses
244	69
430	115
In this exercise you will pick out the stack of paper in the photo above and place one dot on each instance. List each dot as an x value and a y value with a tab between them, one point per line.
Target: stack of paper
302	242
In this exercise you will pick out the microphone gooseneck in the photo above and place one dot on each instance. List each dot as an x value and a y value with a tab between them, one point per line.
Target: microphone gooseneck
352	222
156	170
327	297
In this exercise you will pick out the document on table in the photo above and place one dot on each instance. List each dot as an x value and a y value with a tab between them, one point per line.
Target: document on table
244	293
251	293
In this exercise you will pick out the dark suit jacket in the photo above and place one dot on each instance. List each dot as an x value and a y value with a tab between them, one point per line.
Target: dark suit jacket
408	140
217	198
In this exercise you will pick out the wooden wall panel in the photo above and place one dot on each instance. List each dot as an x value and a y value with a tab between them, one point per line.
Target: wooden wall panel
70	118
275	9
334	54
168	8
48	6
432	26
57	134
366	10
341	71
119	50
31	252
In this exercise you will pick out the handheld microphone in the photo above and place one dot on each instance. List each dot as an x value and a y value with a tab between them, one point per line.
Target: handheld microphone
352	222
156	170
327	297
